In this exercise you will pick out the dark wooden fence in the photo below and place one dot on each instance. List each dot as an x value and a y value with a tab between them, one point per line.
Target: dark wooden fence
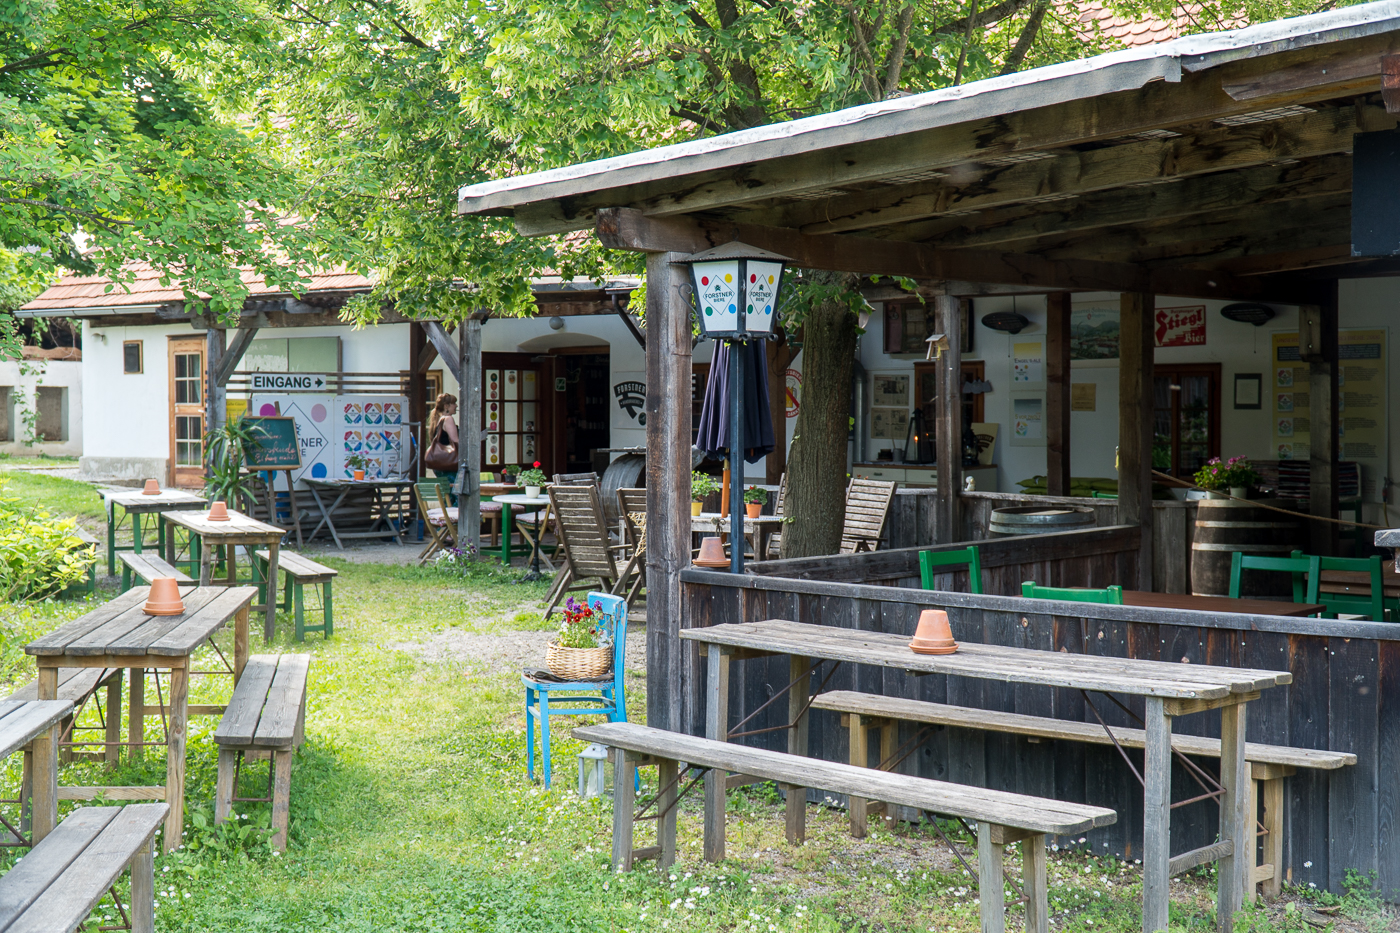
911	524
1345	696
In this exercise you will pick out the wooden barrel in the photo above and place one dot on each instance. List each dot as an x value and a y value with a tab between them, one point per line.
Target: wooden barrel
626	472
1039	519
1224	526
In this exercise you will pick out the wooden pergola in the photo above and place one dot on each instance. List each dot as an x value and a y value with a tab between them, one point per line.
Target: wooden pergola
1215	166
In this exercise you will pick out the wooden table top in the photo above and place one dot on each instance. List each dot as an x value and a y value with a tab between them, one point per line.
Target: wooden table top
167	499
339	483
1256	607
22	720
714	519
1358	582
992	662
238	524
121	627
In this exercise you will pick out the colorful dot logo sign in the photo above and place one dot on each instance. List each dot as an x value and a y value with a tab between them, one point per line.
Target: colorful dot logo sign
770	280
704	280
752	277
318	412
728	277
268	410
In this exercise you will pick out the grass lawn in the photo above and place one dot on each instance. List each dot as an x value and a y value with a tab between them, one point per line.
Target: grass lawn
410	810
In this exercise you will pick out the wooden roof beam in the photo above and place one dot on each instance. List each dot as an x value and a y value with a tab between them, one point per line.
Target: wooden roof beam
1238	190
851	155
624	228
973	188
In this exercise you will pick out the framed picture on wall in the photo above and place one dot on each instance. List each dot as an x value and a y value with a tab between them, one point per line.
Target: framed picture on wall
1027	419
889	390
909	324
1249	391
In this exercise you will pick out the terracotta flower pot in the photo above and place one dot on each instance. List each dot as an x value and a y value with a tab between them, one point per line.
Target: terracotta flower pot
359	474
165	598
218	511
152	488
934	635
753	509
696	507
711	554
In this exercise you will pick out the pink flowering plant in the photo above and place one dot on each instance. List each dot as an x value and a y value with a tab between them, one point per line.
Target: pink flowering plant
1237	471
583	627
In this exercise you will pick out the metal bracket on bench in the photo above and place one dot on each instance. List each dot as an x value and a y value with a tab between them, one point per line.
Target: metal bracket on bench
640	815
121	912
778	694
972	872
237	767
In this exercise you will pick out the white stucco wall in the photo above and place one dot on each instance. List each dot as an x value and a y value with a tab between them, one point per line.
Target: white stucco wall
24	379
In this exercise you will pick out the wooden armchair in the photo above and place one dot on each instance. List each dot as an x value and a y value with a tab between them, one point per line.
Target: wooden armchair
867	507
587	546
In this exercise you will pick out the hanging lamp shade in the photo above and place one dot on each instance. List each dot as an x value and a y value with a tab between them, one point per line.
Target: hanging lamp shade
736	289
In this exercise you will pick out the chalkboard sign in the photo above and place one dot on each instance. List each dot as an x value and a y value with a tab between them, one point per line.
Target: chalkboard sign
277	447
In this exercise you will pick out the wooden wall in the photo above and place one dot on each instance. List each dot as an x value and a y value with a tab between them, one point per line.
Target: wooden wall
1345	696
911	523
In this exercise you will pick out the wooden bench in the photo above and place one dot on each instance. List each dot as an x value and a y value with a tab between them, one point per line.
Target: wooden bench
32	726
60	881
1002	818
266	714
300	572
148	567
76	685
1269	764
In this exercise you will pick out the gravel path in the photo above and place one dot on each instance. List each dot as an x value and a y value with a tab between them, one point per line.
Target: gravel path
482	652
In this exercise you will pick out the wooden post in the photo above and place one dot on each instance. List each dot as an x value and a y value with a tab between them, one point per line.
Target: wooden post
1135	425
670	682
666	777
143	890
469	435
175	754
717	728
136	708
800	674
1273	842
947	523
1235	871
1033	879
860	757
1317	327
44	788
1157	817
1057	393
779	355
991	880
417	393
623	804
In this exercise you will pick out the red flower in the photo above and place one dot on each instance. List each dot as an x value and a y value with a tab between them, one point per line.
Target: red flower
537	464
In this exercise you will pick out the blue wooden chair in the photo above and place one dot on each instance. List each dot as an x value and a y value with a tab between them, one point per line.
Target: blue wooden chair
575	698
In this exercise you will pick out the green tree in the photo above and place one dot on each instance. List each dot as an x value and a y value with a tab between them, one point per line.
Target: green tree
110	152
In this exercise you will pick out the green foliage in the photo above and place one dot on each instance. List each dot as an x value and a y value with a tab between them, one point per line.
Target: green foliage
39	556
702	485
755	494
534	476
582	626
107	139
228	449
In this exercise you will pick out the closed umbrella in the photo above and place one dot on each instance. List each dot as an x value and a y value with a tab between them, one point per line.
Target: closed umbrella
735	414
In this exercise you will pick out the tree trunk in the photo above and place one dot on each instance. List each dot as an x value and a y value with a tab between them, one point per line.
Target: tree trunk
816	496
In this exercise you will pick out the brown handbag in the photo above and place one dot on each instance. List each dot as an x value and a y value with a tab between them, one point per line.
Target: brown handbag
441	455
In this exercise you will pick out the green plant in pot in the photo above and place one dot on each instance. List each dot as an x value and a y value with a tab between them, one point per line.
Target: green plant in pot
357	464
701	485
228	449
1236	475
532	479
755	498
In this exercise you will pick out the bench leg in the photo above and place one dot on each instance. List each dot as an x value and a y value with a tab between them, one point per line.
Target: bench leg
1236	871
26	792
223	784
623	769
175	757
860	757
45	771
716	728
281	797
1273	842
1033	878
991	884
796	827
143	890
126	578
330	616
135	712
111	752
666	825
299	612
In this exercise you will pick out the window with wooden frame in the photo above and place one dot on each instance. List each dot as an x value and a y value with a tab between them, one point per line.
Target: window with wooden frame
926	396
432	381
1185	418
909	324
132	361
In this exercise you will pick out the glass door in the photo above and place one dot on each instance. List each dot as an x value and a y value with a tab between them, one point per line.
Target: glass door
511	416
187	412
1186	418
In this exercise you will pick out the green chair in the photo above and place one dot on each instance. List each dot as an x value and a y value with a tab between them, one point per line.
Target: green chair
1372	606
967	557
1305	570
1095	494
1111	596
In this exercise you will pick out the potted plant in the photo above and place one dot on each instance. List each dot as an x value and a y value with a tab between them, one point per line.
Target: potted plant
357	464
532	479
1236	474
755	498
509	474
582	649
227	452
701	485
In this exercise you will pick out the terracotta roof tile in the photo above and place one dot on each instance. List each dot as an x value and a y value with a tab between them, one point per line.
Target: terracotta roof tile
1150	30
78	291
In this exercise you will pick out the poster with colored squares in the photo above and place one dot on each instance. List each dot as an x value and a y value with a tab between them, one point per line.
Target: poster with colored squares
314	415
372	428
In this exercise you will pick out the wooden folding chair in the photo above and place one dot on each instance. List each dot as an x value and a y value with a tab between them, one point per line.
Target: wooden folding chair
438	518
775	540
867	507
633	505
588	548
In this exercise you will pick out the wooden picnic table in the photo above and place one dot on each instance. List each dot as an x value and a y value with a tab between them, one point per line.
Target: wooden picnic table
239	529
1257	607
32	725
757	530
135	503
119	634
1168	690
390	500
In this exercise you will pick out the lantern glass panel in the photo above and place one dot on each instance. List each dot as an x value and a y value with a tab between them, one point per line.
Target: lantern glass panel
717	293
761	299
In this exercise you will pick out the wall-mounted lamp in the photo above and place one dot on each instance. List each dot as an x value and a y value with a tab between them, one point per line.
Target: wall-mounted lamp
556	323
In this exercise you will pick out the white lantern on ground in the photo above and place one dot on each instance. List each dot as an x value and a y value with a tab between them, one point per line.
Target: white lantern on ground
595	771
737	287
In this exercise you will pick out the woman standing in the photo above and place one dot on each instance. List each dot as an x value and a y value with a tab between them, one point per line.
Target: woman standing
443	429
